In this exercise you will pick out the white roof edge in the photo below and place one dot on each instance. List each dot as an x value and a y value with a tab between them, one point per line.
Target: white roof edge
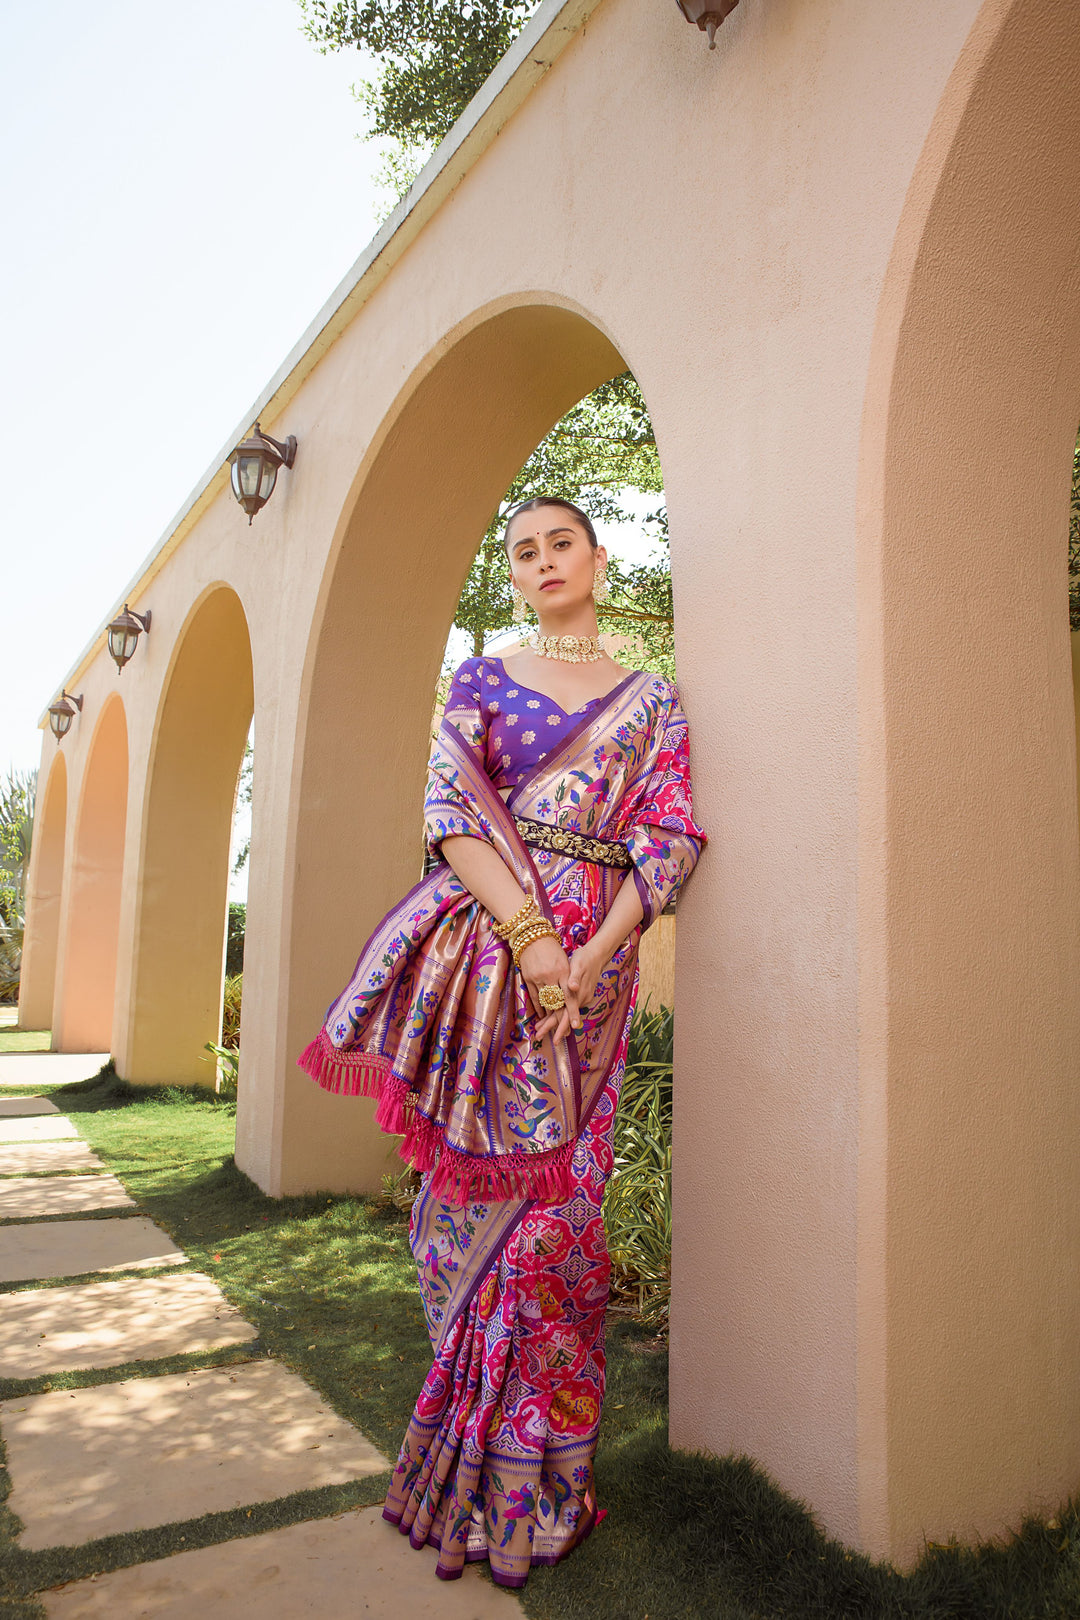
535	49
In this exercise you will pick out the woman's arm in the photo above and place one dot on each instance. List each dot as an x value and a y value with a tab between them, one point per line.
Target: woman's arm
485	874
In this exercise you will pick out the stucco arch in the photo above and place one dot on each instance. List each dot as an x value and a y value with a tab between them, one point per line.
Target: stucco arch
442	459
179	927
969	873
37	979
86	978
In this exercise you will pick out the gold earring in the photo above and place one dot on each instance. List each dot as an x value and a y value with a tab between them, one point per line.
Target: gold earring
601	588
520	606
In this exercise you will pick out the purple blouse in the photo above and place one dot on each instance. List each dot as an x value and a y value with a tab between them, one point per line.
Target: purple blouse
523	726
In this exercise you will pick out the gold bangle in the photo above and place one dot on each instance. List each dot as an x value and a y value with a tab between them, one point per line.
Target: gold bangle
526	937
528	926
525	914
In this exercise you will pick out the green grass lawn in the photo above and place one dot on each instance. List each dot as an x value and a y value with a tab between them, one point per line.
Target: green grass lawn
24	1040
329	1283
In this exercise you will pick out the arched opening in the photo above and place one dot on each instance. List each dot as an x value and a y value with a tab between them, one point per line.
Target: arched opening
37	981
422	499
969	898
179	948
83	1019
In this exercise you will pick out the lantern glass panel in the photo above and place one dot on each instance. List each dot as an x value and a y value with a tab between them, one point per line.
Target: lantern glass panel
250	467
60	720
269	479
122	643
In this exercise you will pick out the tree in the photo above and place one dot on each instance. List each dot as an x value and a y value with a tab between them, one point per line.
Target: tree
18	796
434	55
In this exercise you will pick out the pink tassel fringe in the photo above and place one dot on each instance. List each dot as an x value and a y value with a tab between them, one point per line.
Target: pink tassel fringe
459	1178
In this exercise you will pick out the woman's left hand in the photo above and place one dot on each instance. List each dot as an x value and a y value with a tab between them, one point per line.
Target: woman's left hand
586	966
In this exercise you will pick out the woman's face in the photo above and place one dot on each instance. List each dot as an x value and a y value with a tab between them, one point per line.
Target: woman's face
552	560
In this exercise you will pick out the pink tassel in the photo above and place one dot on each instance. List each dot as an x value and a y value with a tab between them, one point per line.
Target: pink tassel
350	1074
459	1178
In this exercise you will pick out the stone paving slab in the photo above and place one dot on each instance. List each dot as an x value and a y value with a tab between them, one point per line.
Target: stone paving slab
22	1196
66	1248
148	1451
101	1324
43	1128
13	1107
49	1068
23	1158
351	1567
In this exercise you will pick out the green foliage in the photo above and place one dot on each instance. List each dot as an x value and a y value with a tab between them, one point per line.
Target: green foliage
227	1059
18	797
434	55
226	1056
230	1010
637	1204
234	939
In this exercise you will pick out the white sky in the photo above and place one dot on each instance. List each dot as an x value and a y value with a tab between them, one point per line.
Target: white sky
165	167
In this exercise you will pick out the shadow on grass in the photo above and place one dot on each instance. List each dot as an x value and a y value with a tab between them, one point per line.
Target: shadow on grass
330	1285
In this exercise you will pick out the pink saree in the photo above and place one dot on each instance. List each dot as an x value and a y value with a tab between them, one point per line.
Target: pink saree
436	1024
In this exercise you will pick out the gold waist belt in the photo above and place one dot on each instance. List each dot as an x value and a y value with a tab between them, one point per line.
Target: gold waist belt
542	835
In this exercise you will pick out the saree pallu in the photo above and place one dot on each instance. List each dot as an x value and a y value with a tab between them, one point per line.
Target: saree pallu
512	1136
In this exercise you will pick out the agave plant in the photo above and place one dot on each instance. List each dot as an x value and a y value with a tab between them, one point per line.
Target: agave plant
637	1204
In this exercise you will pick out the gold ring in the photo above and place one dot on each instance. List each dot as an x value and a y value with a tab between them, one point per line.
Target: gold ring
551	997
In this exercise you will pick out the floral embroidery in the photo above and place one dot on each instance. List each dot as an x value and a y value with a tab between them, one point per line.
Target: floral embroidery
493	680
493	707
534	703
528	736
553	720
513	692
511	719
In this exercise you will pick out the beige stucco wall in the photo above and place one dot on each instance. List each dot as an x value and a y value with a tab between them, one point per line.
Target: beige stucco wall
875	1269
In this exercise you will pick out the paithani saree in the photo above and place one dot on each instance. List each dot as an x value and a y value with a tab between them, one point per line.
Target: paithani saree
512	1136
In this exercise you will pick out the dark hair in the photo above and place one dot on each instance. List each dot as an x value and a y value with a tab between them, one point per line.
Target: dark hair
550	500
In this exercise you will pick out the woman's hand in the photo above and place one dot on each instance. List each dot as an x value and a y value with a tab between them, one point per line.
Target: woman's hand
577	975
544	961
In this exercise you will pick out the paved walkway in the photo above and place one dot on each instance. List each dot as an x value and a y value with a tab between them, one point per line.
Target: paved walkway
125	1454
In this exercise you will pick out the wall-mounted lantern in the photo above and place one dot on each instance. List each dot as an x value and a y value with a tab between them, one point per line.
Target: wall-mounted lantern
123	634
255	466
62	713
708	14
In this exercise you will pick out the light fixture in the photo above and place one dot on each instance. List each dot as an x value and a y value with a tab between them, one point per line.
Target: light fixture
255	466
62	713
708	14
123	634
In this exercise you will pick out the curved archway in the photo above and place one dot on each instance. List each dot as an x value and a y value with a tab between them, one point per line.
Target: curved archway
83	1019
421	501
37	980
180	924
969	909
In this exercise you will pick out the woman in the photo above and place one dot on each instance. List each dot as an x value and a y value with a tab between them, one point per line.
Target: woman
489	1014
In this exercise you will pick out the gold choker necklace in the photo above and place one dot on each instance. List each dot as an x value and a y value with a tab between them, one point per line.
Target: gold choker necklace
570	649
